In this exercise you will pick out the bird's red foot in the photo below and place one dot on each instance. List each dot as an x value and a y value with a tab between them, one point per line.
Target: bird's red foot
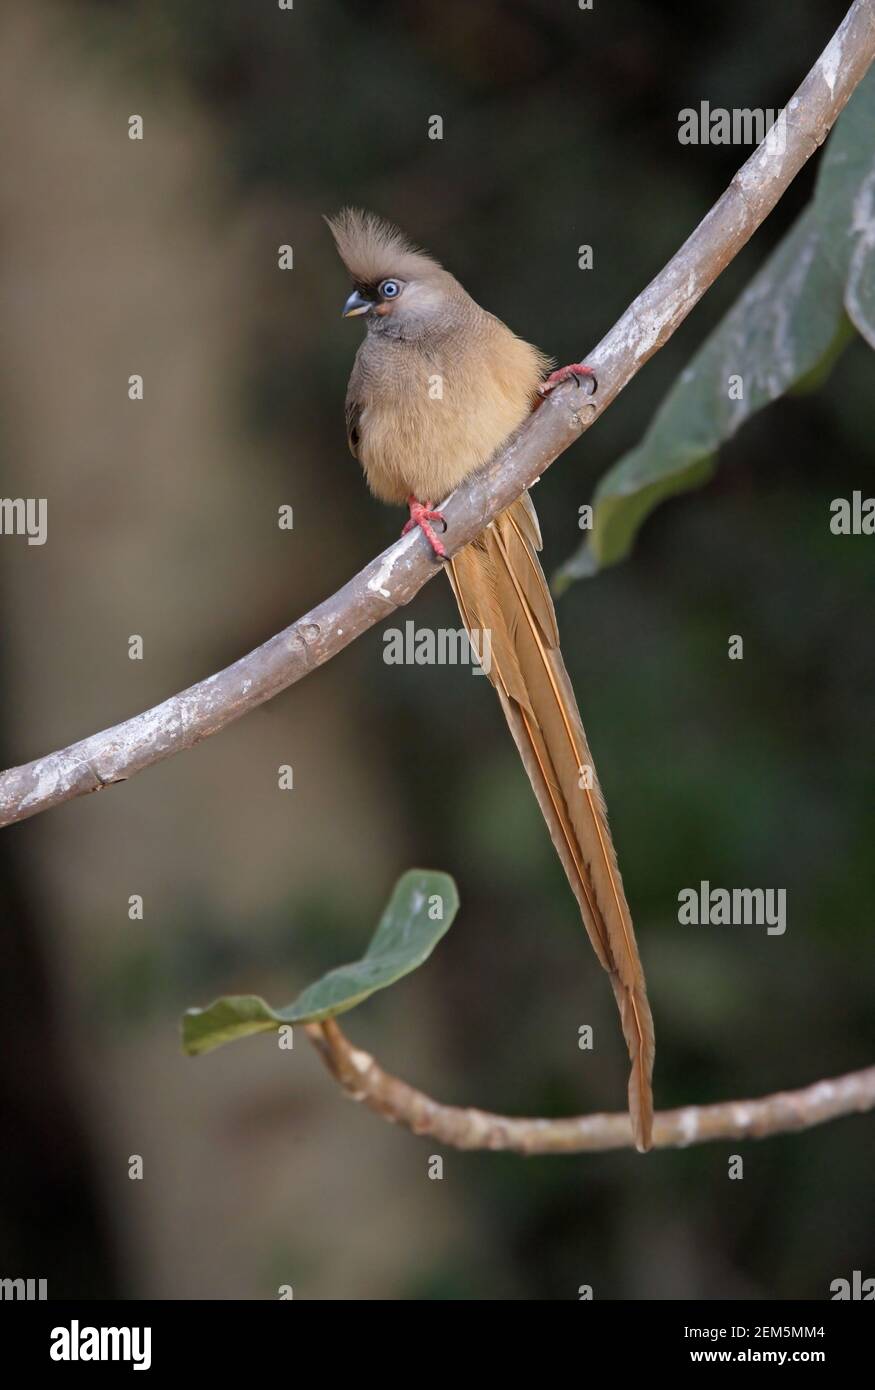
421	515
573	372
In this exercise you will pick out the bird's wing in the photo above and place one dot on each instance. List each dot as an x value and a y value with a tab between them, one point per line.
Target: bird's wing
353	420
354	408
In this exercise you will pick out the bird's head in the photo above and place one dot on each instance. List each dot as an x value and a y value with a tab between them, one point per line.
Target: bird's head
403	292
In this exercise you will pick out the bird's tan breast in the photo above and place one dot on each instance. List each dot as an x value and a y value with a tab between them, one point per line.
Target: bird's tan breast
430	414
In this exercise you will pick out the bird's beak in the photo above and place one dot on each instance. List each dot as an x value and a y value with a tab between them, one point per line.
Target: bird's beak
356	304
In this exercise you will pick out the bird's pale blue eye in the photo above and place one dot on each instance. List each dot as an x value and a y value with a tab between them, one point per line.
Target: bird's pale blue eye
389	289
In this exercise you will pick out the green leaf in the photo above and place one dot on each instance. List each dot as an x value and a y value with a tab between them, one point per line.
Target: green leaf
844	203
782	327
421	909
619	513
783	334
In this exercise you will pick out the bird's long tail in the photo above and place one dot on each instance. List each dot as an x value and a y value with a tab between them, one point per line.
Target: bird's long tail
502	593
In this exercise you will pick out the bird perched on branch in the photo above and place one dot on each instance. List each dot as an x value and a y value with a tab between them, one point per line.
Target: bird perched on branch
438	385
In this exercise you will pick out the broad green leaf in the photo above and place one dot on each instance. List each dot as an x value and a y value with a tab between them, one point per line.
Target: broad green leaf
844	203
421	909
783	334
777	333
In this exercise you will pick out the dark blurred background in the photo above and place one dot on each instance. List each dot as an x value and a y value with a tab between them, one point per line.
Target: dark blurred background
160	257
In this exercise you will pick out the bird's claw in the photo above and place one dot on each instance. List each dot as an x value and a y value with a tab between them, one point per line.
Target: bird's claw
573	372
422	514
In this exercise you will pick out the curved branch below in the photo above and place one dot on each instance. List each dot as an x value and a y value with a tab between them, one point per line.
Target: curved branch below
394	577
783	1113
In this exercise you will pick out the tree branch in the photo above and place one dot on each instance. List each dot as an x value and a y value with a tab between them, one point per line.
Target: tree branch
783	1113
394	577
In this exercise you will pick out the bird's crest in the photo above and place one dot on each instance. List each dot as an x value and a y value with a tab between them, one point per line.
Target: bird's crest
372	249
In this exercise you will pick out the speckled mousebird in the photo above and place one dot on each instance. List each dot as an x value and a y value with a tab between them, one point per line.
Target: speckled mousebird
416	444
